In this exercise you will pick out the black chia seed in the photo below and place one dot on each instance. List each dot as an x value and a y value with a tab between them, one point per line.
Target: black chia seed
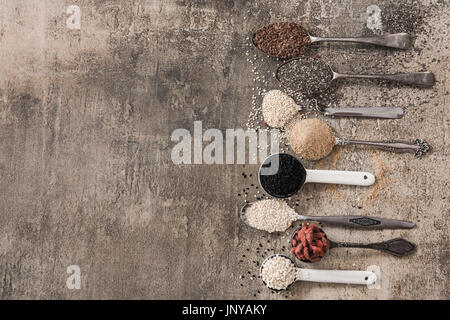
308	76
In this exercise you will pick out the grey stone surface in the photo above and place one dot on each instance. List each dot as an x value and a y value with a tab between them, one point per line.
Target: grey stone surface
86	176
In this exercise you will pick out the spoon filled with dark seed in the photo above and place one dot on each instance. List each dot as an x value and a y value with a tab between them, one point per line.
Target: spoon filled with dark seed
289	40
282	175
311	76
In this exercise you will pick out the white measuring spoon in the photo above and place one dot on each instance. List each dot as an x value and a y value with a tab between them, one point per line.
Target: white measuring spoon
328	276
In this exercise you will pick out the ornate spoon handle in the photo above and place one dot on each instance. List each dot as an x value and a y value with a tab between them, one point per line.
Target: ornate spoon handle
418	147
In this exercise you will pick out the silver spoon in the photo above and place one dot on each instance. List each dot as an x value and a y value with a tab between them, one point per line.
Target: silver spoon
316	76
327	276
396	40
346	221
419	147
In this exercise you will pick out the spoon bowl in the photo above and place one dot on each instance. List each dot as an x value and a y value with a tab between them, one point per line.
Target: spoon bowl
262	266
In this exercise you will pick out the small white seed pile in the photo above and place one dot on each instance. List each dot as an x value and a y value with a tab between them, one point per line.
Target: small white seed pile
278	108
270	215
278	273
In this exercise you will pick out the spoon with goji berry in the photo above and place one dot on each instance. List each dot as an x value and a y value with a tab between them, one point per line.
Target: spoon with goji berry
310	243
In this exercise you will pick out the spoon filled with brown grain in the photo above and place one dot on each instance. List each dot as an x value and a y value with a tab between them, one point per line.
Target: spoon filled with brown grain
289	40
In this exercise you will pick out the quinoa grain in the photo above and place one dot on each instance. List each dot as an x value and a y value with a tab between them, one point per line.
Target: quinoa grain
270	215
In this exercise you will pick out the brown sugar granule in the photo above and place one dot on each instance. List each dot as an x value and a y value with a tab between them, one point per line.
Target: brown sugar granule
311	139
282	39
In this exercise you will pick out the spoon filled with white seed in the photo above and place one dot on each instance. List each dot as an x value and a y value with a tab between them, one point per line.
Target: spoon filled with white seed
278	272
312	139
273	215
278	108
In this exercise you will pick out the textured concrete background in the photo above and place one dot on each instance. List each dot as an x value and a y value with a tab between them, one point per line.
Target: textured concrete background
86	176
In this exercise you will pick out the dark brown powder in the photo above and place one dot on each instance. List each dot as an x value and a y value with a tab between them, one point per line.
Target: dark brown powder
286	40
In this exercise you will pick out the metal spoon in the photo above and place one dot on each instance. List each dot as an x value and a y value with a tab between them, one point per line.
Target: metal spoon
327	276
313	84
346	221
396	40
419	147
397	247
366	112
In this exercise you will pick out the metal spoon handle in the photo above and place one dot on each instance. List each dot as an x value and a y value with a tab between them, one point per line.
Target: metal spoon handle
424	79
366	112
362	222
418	147
397	247
336	276
396	40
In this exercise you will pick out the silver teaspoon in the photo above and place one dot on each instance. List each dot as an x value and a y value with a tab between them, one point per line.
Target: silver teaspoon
346	221
418	146
312	76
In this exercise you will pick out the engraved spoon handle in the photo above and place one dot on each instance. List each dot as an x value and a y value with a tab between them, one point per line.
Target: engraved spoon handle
398	247
361	222
418	147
